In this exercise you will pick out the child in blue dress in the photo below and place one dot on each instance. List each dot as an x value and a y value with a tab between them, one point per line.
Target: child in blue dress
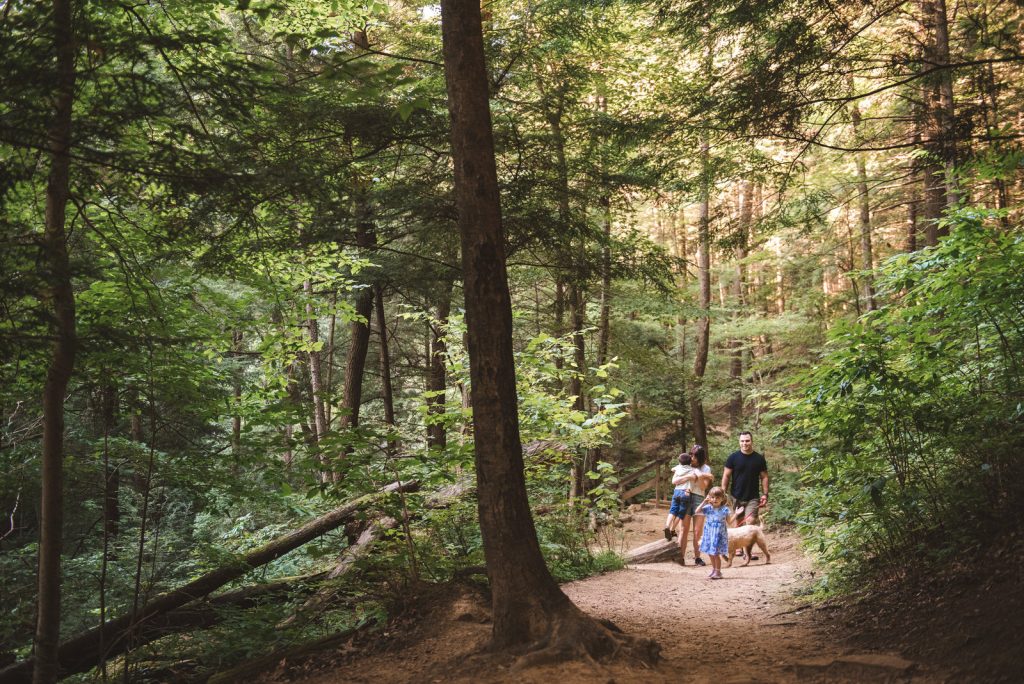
715	541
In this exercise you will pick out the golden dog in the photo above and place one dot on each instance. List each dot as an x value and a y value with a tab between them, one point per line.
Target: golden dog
744	537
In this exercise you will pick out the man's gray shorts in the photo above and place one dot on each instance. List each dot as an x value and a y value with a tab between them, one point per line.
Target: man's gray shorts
750	511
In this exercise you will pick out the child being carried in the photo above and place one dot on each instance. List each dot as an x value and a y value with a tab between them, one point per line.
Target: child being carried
682	474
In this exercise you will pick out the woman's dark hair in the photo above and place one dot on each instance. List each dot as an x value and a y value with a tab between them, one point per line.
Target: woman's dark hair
698	454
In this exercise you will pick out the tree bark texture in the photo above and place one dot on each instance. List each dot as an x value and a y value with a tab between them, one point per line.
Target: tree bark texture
60	297
524	595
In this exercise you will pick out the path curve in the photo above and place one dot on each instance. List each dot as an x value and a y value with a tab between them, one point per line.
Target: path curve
747	627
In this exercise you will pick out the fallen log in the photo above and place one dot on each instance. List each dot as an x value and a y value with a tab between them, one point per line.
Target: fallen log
659	551
89	649
359	549
209	612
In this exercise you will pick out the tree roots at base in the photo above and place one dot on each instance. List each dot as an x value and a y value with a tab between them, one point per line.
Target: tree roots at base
574	635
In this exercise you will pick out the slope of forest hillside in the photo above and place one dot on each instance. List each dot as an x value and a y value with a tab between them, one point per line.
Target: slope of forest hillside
306	304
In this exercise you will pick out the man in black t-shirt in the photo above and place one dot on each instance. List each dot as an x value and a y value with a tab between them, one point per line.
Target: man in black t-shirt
746	468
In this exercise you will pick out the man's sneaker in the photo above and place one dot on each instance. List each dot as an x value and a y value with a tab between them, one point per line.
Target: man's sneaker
668	535
699	561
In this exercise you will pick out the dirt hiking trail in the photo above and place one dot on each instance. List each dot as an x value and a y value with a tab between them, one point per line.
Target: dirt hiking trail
747	627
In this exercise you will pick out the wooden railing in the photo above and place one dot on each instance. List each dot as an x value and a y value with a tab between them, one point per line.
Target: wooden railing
655	472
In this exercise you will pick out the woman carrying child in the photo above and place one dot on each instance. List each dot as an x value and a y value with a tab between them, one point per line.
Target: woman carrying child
696	486
715	540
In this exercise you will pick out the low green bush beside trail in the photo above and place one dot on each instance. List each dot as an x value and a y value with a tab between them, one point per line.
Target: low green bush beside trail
912	424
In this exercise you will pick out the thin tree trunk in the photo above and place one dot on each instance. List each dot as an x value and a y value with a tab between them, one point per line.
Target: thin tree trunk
331	329
437	435
947	114
111	502
111	475
574	292
385	365
559	306
576	304
236	381
864	212
933	164
851	262
359	345
682	253
313	359
913	199
746	198
60	297
604	322
700	359
143	523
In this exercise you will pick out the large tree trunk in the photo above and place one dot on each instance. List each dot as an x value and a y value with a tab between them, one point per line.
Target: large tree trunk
61	299
84	651
437	435
528	606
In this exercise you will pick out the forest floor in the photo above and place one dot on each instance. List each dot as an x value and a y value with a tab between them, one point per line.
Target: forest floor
751	626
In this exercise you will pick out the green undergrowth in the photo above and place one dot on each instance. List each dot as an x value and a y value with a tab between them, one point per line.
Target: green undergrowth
911	426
